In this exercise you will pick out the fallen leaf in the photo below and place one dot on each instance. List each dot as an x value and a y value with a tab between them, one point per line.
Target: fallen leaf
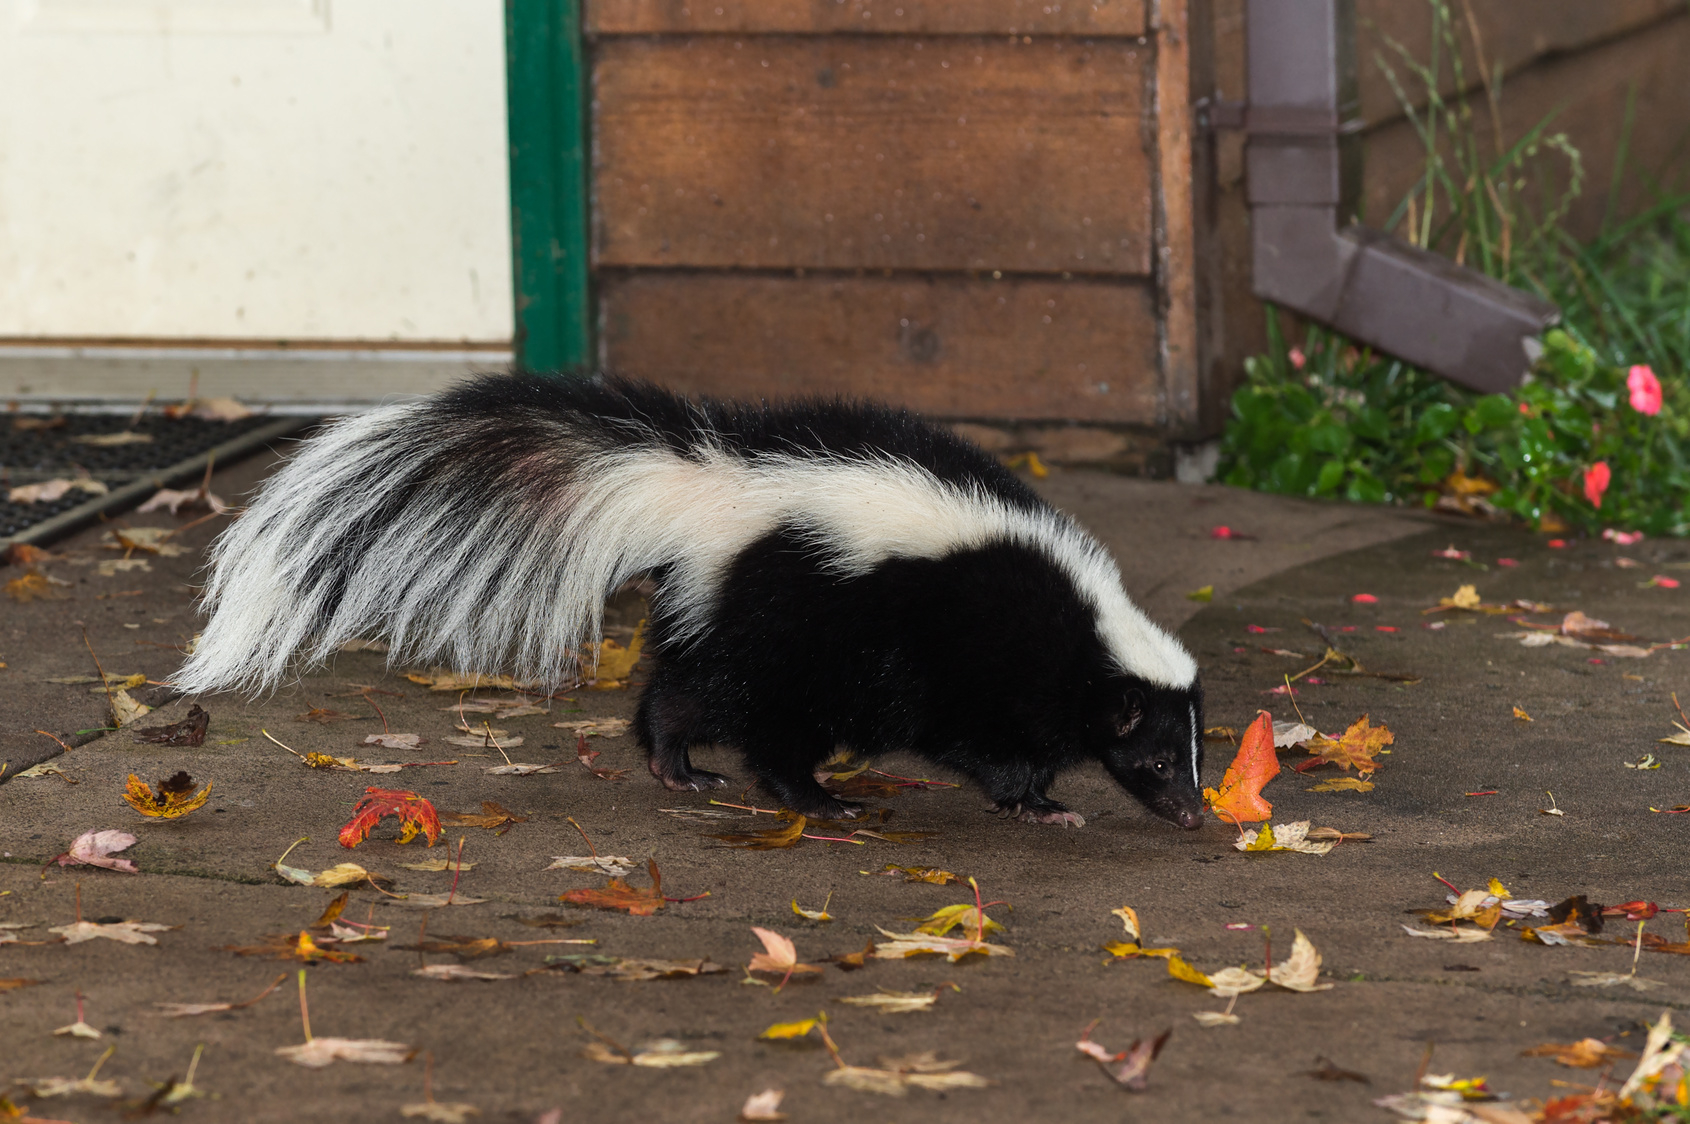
1202	593
1660	1050
1301	970
1581	627
492	816
1282	837
1287	734
15	982
899	1075
779	957
482	741
895	1002
459	972
124	932
596	727
1131	1067
125	709
172	500
1343	784
763	1106
1586	1053
436	865
901	946
414	900
189	1010
1326	1070
664	1053
1239	799
613	865
1130	950
1467	597
416	816
771	839
587	756
439	680
283	946
77	1029
608	663
1356	746
1180	970
1611	979
1453	934
319	1052
36	586
813	914
96	848
1233	981
635	969
1216	1018
942	921
394	741
780	1032
618	894
189	731
147	540
1522	715
851	961
440	1112
48	491
172	798
324	717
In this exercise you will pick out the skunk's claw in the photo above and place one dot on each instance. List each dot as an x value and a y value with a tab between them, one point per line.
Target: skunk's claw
696	780
1050	813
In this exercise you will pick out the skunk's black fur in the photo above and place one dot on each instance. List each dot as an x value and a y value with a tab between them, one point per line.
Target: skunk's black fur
827	575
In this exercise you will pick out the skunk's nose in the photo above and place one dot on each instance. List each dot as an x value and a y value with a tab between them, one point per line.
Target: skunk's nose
1191	821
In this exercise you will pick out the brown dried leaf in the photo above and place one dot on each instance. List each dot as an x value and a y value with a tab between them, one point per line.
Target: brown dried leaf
189	731
493	816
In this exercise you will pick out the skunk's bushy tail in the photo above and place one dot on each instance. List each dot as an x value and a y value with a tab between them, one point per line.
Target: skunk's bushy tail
484	528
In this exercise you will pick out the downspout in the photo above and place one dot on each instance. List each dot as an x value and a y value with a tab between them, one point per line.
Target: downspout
1303	170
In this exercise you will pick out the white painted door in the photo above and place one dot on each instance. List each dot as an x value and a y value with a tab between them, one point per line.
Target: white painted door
254	170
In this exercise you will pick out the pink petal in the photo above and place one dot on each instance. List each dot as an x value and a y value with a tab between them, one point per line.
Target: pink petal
1365	599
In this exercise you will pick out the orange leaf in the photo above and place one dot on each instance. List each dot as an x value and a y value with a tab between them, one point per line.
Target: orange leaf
1355	747
617	894
416	815
175	796
1240	797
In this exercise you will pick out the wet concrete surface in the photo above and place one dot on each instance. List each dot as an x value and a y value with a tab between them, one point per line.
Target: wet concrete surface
513	1047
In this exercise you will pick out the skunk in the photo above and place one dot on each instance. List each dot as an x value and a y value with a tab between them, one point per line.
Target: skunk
827	574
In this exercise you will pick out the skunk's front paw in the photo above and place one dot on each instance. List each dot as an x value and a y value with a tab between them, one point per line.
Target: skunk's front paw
696	780
1045	813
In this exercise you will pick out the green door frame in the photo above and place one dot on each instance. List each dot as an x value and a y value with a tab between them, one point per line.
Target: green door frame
545	88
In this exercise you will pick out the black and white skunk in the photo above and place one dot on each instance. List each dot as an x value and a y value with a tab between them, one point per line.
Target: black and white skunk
827	575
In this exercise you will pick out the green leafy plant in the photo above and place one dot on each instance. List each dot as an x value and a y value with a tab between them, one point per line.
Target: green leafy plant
1599	435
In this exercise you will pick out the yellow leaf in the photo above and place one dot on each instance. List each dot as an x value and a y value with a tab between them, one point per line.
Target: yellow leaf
1499	890
1129	918
1125	950
1522	715
1180	970
944	920
1206	593
609	662
1467	597
174	798
814	914
790	1030
1343	784
1263	840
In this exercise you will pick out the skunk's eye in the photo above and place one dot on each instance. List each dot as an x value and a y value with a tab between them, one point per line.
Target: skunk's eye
1160	766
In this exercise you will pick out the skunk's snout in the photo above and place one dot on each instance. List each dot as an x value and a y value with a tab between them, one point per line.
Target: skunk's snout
1191	821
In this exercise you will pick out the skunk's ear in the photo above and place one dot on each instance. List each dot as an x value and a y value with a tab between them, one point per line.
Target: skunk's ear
1129	714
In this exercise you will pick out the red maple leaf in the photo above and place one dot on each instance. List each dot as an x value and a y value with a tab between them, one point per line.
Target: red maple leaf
1239	799
617	894
416	815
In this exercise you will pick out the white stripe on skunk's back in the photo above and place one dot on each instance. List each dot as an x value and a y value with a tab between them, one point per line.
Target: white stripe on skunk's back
515	577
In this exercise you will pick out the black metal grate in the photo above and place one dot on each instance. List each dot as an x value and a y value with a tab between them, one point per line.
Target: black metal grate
31	455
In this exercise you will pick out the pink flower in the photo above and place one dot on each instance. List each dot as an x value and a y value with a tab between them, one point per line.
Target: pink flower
1297	359
1384	628
1365	599
1645	390
1624	538
1557	544
1509	562
1663	582
1596	479
1221	532
1525	409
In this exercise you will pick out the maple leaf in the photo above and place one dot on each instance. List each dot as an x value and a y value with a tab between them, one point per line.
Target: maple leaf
1239	799
1586	1053
320	1052
394	741
1357	746
914	1071
618	894
124	932
282	946
173	500
189	731
64	1086
779	957
1283	837
774	838
608	663
901	946
663	1053
942	921
174	796
596	727
613	865
96	848
492	816
416	816
1131	1067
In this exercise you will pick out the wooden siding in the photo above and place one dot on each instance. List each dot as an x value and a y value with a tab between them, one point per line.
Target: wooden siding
861	153
951	346
866	17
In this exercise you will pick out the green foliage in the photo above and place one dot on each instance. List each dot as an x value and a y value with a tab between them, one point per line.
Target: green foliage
1333	419
1366	427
